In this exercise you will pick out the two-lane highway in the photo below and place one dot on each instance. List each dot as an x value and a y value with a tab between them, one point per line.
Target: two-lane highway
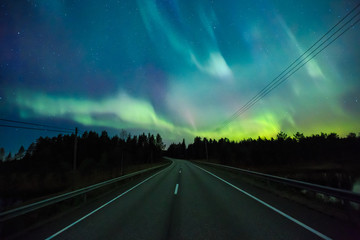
185	201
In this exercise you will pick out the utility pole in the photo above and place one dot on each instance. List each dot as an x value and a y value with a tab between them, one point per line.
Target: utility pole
206	150
75	148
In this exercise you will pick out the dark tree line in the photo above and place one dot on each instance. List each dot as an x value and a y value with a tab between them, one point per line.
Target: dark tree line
94	151
19	155
279	151
48	164
177	150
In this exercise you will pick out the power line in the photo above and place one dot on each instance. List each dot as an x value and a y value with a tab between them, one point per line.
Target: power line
35	124
261	94
281	75
289	71
287	77
31	128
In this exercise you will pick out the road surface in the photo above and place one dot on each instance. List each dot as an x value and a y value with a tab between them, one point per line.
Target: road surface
185	201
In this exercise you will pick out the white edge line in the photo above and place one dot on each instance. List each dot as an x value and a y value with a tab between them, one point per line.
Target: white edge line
105	204
271	207
176	189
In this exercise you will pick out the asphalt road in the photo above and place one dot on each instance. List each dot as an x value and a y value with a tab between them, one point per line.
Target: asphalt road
185	201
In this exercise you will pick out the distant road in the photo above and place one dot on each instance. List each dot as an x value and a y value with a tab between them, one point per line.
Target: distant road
184	201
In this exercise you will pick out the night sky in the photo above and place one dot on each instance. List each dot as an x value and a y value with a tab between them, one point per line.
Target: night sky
175	67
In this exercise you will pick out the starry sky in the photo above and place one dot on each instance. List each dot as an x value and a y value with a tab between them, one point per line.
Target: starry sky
175	67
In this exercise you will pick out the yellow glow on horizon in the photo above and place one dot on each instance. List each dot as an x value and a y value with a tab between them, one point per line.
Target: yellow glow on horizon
123	111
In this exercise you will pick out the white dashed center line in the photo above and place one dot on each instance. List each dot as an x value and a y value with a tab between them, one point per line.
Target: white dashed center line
176	189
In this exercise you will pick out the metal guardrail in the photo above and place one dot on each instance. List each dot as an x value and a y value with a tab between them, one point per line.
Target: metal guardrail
330	191
49	201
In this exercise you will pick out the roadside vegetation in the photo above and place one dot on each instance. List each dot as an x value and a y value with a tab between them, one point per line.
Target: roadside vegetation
325	159
48	165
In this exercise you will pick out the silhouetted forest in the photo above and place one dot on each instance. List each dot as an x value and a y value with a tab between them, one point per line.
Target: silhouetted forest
283	150
48	164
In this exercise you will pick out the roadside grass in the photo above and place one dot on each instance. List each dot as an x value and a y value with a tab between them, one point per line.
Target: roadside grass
18	226
25	188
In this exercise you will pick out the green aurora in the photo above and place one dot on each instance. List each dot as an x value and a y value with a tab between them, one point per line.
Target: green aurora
179	68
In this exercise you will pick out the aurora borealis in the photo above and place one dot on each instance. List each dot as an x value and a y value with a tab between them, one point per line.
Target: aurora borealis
176	67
